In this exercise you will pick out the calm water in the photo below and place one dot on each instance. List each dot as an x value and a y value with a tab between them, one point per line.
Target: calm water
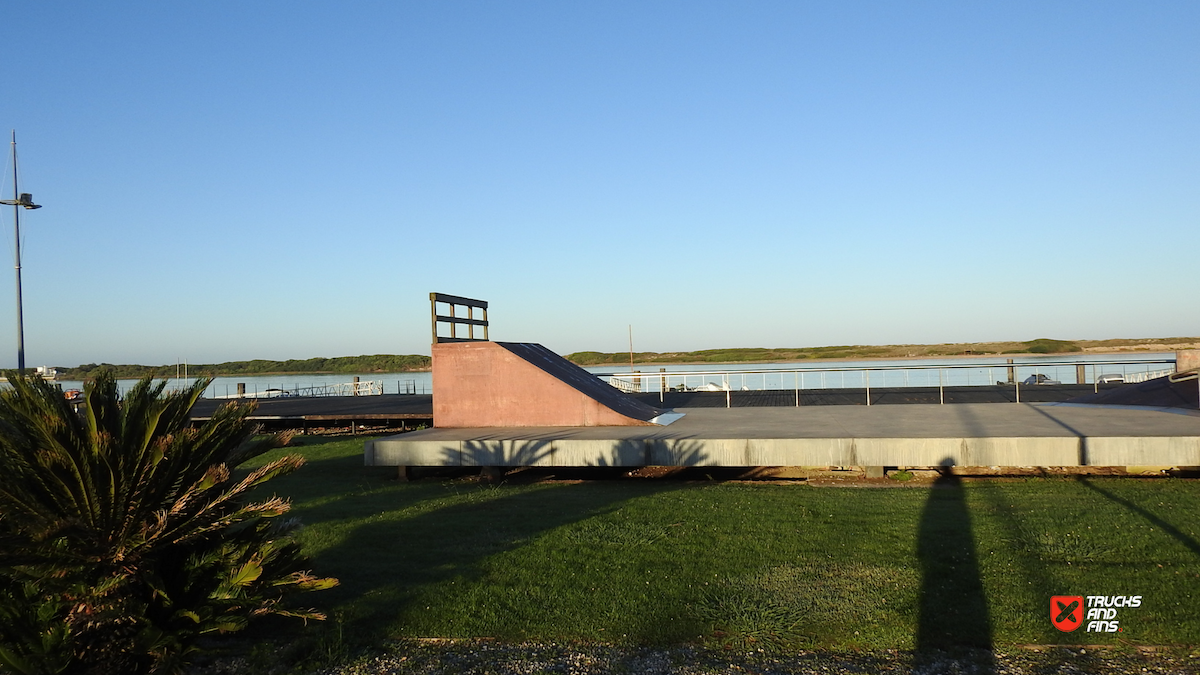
803	375
961	371
391	383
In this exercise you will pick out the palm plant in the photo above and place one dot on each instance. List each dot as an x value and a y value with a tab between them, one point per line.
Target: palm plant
126	535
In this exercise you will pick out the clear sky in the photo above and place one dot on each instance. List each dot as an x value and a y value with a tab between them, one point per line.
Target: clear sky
236	180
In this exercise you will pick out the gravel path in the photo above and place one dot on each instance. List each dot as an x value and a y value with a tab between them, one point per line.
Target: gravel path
492	658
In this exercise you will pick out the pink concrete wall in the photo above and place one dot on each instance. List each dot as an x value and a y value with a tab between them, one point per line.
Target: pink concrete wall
481	384
1187	360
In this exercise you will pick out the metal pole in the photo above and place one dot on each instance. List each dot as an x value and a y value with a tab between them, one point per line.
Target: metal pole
868	387
631	348
17	248
941	389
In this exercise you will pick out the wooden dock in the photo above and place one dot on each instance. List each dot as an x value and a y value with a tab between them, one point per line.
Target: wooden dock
392	411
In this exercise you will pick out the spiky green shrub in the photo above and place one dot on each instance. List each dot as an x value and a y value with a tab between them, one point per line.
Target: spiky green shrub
126	535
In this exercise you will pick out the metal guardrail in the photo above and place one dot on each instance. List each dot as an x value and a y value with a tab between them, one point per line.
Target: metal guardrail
410	387
736	379
363	388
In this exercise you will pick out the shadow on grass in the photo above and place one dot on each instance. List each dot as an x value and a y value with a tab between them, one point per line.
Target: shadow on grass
1040	581
386	564
1175	533
420	572
337	487
953	606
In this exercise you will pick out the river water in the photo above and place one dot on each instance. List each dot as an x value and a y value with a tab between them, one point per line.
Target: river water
948	371
945	371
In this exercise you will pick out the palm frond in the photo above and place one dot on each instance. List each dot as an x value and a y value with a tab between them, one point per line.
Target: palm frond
125	533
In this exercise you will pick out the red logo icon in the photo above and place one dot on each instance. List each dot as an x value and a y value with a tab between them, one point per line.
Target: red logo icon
1066	612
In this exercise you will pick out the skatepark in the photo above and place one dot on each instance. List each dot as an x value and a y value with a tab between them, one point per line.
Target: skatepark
498	404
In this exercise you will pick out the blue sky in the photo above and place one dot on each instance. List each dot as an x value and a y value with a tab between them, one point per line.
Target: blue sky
229	180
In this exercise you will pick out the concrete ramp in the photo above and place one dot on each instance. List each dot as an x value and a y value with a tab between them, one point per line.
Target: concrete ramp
1174	391
522	384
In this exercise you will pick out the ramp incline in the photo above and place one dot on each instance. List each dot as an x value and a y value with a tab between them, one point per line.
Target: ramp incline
518	384
582	381
1162	392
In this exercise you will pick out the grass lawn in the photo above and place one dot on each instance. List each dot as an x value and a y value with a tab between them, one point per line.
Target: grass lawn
741	564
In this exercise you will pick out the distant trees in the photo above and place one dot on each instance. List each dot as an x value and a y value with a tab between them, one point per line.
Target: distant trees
126	535
376	363
1048	346
744	355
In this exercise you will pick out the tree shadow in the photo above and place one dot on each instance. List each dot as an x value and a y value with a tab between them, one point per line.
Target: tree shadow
953	606
500	453
332	488
386	562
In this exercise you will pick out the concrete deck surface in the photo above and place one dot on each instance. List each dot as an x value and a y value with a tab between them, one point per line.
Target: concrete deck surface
1017	434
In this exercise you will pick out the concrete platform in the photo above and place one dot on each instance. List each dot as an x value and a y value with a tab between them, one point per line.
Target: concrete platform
1017	434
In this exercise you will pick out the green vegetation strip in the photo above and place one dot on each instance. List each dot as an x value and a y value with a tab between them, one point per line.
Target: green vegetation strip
760	355
377	363
774	566
402	363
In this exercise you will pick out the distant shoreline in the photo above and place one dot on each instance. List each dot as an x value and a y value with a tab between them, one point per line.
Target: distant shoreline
748	356
1039	347
875	358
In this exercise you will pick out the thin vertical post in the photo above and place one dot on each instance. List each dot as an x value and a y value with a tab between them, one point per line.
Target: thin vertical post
433	315
868	378
941	389
631	348
796	381
17	248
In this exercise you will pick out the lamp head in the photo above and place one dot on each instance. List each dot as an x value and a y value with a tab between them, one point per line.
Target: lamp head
25	200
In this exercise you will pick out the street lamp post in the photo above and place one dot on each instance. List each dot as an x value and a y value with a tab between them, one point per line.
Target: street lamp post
18	201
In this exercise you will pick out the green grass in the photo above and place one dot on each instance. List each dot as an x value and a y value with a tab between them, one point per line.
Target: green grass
737	564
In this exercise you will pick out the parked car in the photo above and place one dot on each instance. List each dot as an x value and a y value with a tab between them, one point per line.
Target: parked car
1111	377
1040	379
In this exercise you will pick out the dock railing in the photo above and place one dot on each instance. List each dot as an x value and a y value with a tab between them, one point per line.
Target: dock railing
356	388
1017	375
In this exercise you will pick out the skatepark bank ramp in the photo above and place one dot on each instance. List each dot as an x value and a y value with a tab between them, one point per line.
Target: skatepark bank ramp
523	384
